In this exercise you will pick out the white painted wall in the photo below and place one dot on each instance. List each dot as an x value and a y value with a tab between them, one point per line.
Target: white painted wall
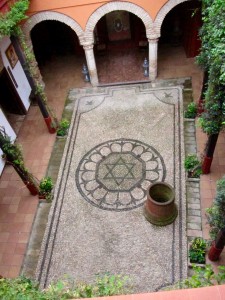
23	88
4	122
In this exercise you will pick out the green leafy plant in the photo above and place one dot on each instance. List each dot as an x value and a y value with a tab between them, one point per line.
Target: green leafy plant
191	111
64	125
204	277
211	59
10	20
197	251
216	213
46	186
201	277
24	288
193	166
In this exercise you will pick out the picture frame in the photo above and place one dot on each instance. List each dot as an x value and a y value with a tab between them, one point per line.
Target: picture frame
11	56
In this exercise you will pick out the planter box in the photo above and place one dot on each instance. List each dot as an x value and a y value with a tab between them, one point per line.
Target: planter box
190	264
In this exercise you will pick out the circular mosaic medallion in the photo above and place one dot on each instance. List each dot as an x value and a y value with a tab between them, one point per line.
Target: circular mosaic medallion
116	174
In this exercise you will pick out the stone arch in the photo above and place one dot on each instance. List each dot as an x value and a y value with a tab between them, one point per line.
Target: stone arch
51	15
163	12
117	5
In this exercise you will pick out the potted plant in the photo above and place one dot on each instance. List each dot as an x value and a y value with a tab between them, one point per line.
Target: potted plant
191	111
193	166
62	130
160	208
197	251
46	186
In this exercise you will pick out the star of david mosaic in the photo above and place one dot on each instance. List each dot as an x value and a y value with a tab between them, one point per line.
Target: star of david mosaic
115	175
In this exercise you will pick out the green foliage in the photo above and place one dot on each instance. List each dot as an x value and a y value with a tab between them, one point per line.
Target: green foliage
45	188
204	277
19	289
211	58
197	251
201	277
193	166
104	285
216	213
46	185
22	288
64	125
191	111
10	20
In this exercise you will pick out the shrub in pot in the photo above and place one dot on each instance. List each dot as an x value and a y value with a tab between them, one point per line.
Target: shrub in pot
191	111
46	186
63	127
197	251
193	166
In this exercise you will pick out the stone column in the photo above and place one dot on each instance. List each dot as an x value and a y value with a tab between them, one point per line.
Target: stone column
90	58
153	57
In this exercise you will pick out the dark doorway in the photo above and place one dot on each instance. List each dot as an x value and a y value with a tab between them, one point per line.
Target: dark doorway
120	30
181	26
9	98
53	38
120	48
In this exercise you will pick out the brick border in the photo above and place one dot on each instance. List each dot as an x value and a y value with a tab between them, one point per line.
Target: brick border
113	6
162	13
54	16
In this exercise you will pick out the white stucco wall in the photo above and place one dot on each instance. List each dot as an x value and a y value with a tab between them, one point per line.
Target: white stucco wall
4	122
23	88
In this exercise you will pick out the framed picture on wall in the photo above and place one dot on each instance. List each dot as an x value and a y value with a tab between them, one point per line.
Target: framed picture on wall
11	56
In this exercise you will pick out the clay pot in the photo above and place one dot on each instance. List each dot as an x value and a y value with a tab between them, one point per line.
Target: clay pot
160	208
214	252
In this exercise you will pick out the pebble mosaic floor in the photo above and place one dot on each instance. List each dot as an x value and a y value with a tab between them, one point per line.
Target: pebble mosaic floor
121	139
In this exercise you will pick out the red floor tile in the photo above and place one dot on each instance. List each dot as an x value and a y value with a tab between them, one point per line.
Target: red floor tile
20	248
14	271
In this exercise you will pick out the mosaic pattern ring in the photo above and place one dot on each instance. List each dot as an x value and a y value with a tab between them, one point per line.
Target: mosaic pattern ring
115	174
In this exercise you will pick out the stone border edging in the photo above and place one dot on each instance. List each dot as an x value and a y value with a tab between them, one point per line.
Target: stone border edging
194	217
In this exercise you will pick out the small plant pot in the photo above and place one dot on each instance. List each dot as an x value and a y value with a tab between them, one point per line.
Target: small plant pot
61	137
160	208
41	196
48	196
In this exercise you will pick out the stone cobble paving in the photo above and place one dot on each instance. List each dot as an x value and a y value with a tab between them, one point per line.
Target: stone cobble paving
194	227
194	219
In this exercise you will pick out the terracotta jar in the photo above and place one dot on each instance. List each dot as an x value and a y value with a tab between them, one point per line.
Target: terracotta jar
160	208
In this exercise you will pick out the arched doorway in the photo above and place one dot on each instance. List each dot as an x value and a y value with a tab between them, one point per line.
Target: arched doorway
52	39
60	58
179	37
120	47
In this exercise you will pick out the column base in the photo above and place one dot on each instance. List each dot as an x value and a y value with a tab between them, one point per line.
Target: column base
200	106
32	188
49	123
206	165
214	253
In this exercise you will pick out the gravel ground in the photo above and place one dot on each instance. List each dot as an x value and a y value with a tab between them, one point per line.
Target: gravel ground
121	139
